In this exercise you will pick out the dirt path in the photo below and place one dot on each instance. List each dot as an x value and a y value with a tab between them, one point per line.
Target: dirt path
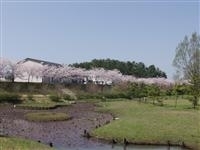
61	134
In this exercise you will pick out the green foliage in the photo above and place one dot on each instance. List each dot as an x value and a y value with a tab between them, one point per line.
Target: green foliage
89	96
9	98
30	97
55	98
153	91
68	94
194	100
169	91
160	102
29	88
68	97
104	96
126	68
117	95
137	90
181	89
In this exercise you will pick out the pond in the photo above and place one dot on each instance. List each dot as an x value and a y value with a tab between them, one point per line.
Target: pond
120	147
100	145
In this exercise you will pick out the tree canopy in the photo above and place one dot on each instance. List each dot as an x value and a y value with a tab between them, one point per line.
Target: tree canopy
126	68
187	63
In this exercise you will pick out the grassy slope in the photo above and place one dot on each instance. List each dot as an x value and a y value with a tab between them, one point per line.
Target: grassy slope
20	144
152	124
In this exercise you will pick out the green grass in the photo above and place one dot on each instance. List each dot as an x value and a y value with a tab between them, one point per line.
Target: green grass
146	123
182	104
41	102
46	116
11	143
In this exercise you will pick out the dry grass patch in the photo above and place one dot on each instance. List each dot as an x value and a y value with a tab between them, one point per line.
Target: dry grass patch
46	116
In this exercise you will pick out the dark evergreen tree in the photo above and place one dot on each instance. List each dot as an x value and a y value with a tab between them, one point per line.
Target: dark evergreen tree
126	68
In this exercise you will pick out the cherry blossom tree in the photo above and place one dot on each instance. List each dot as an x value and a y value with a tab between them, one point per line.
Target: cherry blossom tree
29	71
9	69
4	67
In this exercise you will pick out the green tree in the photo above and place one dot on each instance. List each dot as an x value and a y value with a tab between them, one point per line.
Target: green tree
126	68
152	70
154	92
187	63
137	90
177	90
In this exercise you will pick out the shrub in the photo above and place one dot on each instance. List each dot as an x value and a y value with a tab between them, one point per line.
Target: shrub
89	96
55	98
160	102
67	97
30	97
105	96
9	98
117	95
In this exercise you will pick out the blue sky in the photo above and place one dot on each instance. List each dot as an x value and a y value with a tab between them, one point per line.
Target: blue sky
69	32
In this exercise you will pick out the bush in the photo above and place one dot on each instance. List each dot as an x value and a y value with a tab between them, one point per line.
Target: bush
30	97
28	88
160	102
105	96
117	95
67	97
9	98
55	98
89	96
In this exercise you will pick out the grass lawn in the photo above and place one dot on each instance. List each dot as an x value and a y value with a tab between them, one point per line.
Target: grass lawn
146	123
11	143
46	116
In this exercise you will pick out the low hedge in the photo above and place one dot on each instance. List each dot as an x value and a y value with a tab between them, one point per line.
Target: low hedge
9	98
105	96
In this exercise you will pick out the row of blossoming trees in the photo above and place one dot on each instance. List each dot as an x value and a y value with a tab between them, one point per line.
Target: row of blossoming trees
65	74
128	86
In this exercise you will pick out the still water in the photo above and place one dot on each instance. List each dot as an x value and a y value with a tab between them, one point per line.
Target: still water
121	147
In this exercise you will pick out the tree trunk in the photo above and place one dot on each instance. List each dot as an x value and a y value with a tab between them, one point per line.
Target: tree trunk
195	101
28	78
176	101
13	79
